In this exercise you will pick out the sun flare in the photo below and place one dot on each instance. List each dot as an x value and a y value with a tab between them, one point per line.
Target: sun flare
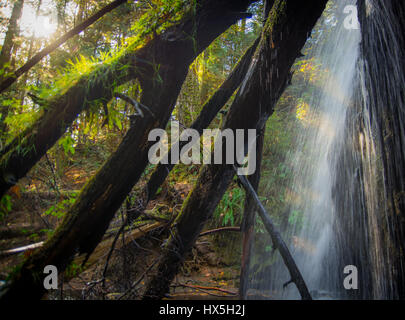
42	26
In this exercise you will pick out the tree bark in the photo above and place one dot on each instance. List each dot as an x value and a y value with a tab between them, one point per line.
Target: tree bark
248	222
285	33
208	113
86	221
164	52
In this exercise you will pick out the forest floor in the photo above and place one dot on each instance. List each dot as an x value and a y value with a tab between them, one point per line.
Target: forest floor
211	271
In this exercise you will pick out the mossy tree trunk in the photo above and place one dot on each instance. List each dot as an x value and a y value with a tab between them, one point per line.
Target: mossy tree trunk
207	115
174	48
286	30
249	214
87	220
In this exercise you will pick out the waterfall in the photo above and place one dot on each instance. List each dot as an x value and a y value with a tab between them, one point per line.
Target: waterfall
348	163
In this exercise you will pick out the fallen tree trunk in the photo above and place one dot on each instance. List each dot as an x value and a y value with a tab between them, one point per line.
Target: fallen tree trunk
285	33
96	253
87	220
103	247
11	252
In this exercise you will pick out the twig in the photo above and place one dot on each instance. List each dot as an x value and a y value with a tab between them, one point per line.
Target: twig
137	105
53	174
206	288
232	229
205	291
112	249
139	280
121	229
21	249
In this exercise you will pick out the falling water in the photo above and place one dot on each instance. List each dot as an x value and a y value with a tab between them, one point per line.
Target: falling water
348	162
314	161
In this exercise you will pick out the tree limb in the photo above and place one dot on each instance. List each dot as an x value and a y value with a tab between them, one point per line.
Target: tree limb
278	241
232	229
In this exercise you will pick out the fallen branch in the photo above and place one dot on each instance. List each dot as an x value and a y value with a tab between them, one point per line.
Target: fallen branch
21	249
137	105
232	229
156	218
113	246
99	252
205	288
277	240
139	280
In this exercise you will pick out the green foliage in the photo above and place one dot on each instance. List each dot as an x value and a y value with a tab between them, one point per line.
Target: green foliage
59	209
212	66
230	209
5	206
73	270
296	218
67	143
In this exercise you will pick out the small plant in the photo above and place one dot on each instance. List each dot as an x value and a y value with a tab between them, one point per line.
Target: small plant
229	210
5	206
59	209
73	270
68	145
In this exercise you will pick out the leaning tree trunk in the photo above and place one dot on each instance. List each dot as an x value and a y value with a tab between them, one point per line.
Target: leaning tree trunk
86	221
207	114
285	33
171	48
249	214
